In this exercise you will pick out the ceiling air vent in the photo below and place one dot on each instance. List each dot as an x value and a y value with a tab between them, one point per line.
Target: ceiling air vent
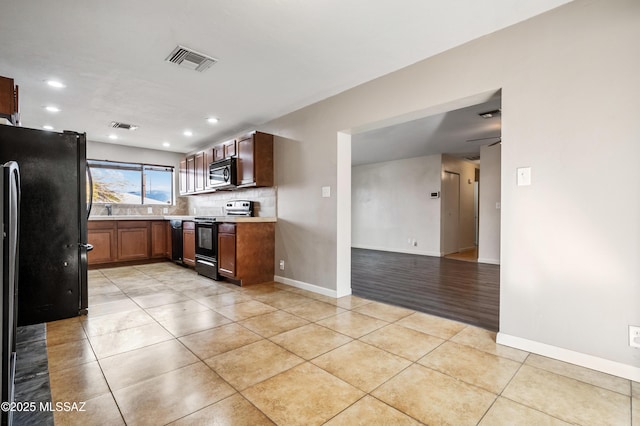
118	125
191	59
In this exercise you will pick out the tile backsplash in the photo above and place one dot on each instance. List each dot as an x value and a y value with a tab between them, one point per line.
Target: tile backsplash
213	204
200	205
135	209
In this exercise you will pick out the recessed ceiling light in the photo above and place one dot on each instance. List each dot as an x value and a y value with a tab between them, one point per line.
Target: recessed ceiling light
212	120
47	127
112	136
166	144
52	108
187	133
56	84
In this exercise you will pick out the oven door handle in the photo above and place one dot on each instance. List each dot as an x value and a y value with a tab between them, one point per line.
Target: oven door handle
205	262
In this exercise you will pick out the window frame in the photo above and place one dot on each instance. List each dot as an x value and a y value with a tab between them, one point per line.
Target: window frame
137	167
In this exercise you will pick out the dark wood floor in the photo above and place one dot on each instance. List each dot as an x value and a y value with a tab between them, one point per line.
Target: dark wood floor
464	291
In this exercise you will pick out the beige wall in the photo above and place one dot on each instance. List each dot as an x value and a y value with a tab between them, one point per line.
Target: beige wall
391	205
570	97
489	234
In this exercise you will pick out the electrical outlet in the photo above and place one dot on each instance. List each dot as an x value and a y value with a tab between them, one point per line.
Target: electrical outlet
149	210
634	336
281	265
165	210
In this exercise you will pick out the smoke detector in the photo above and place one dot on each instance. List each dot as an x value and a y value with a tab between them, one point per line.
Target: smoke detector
118	125
191	59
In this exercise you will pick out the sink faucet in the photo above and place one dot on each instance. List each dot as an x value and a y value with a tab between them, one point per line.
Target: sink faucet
108	207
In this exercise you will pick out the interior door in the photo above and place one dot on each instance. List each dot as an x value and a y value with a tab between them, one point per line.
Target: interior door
450	237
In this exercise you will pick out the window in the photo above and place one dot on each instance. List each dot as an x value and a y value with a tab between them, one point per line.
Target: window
131	183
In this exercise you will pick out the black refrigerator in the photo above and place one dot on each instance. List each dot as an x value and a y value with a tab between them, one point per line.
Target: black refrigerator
9	221
52	274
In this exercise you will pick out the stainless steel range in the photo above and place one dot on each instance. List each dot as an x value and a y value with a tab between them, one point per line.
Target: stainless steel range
207	236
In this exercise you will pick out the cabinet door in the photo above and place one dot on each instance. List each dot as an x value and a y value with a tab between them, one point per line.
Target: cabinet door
183	176
246	161
104	246
199	171
209	157
227	250
168	243
133	243
189	243
8	105
158	239
218	152
229	148
191	173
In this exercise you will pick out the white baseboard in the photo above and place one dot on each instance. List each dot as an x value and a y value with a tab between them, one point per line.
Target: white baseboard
306	286
394	250
490	261
589	361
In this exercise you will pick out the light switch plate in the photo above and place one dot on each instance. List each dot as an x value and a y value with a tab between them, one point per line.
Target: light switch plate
524	176
326	191
634	336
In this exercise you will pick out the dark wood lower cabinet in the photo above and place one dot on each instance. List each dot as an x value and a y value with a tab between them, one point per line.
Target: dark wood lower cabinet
158	239
227	250
102	235
118	242
246	252
133	240
189	243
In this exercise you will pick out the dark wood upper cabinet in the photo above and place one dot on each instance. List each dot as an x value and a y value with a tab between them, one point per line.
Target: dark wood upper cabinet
191	173
254	152
255	160
9	100
183	176
199	160
229	148
218	152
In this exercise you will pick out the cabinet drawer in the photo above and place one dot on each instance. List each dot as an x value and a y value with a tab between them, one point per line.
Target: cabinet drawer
227	228
101	224
188	225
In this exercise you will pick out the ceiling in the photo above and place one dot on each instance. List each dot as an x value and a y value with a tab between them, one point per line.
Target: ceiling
274	58
460	133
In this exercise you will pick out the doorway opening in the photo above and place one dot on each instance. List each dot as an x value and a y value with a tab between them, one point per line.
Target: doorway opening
409	205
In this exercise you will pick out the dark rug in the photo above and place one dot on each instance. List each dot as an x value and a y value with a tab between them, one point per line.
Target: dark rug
32	375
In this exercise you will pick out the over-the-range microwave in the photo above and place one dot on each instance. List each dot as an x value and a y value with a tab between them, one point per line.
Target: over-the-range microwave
223	174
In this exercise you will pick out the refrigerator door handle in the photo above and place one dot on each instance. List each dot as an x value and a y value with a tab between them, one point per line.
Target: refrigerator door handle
89	247
90	191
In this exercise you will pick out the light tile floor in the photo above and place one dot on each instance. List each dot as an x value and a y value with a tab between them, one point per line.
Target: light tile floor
162	345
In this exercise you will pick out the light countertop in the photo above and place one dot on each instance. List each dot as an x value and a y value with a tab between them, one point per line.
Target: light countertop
233	219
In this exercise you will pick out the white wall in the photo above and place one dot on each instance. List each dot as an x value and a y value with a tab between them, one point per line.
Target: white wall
570	241
489	229
467	218
114	152
390	204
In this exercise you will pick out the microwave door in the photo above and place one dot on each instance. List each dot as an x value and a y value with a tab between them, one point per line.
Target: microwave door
219	176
